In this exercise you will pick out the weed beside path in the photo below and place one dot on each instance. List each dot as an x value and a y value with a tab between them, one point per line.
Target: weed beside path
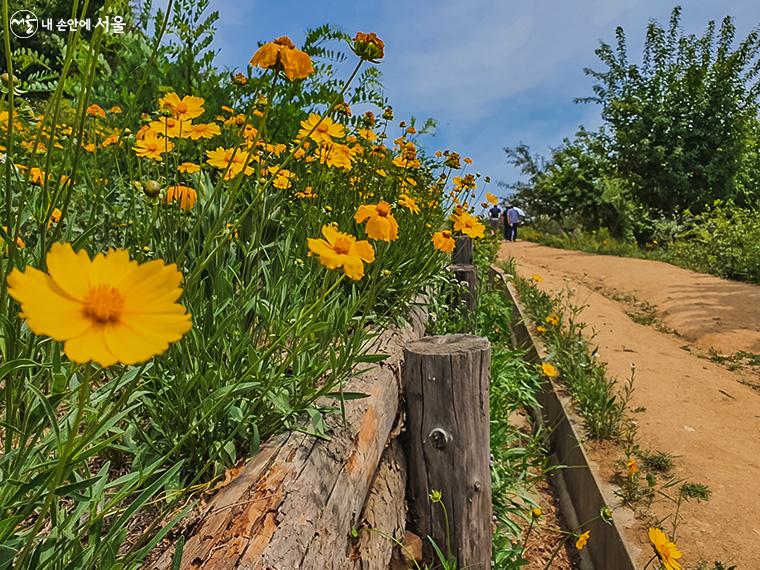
688	407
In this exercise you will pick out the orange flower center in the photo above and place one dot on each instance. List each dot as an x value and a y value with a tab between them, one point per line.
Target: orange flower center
383	209
447	234
323	127
285	41
104	304
181	107
342	245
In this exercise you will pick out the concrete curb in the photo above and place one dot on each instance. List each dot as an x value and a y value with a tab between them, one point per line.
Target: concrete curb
581	493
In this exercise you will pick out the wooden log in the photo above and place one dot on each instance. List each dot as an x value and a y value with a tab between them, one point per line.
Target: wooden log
446	383
463	251
384	514
296	502
467	275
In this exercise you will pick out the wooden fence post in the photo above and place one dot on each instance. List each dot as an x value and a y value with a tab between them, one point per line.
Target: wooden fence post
462	251
446	382
465	272
467	276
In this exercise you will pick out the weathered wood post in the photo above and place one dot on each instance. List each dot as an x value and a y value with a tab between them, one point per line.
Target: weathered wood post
462	251
446	382
465	272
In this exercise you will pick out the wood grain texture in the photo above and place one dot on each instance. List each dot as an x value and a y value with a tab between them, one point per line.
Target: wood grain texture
384	511
295	503
467	275
446	382
463	251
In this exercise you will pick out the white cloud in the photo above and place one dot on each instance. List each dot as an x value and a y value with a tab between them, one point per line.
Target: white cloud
462	57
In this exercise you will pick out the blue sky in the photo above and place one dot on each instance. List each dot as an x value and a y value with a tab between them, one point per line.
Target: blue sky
493	73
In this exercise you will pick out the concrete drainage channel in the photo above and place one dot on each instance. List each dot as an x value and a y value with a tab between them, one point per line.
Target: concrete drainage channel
582	495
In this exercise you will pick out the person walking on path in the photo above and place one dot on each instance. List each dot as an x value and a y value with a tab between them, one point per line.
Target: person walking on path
511	221
494	216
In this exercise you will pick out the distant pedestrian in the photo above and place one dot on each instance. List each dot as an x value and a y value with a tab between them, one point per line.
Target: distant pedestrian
494	216
511	222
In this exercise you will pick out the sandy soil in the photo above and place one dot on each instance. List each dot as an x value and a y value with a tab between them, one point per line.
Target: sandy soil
704	413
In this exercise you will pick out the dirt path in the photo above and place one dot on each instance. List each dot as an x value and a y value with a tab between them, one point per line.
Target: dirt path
665	320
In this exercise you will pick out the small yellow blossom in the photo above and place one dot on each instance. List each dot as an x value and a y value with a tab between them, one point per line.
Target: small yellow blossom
339	249
189	168
667	552
282	55
187	108
549	370
321	129
185	195
381	225
468	224
153	146
443	241
582	540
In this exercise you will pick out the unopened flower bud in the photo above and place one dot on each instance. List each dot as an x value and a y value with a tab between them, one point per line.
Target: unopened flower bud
368	46
152	188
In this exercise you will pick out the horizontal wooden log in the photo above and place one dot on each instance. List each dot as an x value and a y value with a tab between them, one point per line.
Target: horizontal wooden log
295	503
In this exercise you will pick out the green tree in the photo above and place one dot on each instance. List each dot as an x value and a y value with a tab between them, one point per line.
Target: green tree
682	120
576	185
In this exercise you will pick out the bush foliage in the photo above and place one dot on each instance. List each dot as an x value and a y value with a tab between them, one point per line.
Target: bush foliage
680	132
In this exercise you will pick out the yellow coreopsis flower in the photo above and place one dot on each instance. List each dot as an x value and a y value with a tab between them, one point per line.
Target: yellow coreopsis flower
339	249
37	176
203	131
541	329
185	109
666	551
111	139
282	55
552	319
582	540
443	241
632	466
95	110
381	225
468	224
326	129
189	168
336	155
171	127
409	203
307	192
491	197
236	158
55	217
109	309
536	278
34	148
549	370
185	195
152	146
367	134
282	177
